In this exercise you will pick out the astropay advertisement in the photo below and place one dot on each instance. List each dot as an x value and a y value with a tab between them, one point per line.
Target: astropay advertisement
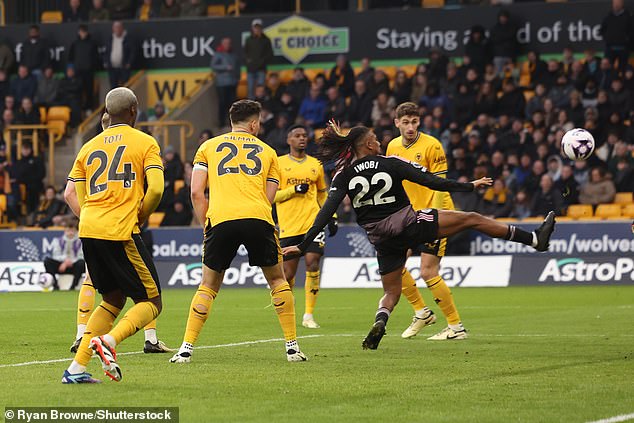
363	272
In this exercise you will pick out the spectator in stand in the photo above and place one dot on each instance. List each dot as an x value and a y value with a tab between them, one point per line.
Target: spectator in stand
477	49
575	109
313	109
384	104
503	40
537	69
536	103
74	12
30	171
277	137
577	75
617	29
4	87
47	89
35	55
496	201
258	53
486	100
146	11
619	98
547	198
568	186
437	66
336	105
169	9
49	208
98	13
69	94
205	134
84	57
378	84
605	75
8	118
299	85
67	256
360	108
402	87
532	182
512	100
121	9
25	85
179	212
9	103
624	174
225	65
275	87
119	55
419	87
173	170
560	92
287	106
193	9
7	58
434	98
342	76
521	205
366	73
261	95
27	114
599	189
463	105
449	84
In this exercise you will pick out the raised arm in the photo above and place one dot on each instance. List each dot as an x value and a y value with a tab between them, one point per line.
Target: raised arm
418	175
335	197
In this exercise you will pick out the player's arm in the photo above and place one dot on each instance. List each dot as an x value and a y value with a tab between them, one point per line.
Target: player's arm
273	178
155	184
322	196
437	166
416	174
287	193
198	186
72	196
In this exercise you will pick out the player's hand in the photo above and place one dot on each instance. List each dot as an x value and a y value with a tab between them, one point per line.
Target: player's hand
482	182
292	250
333	227
301	188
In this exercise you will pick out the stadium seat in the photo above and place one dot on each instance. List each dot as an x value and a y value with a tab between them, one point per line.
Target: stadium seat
242	89
42	114
623	198
410	70
433	3
216	10
580	211
59	113
564	219
52	16
57	126
607	211
628	211
528	94
178	184
3	203
155	219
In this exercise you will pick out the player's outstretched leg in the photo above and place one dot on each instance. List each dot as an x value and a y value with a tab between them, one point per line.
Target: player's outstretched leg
85	306
392	292
311	289
451	222
284	304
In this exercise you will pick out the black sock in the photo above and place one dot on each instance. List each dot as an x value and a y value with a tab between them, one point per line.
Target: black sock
516	234
382	314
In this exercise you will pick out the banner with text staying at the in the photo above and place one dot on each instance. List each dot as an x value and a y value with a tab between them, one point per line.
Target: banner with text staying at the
319	37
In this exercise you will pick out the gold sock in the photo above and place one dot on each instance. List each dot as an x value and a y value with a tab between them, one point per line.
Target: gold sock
151	325
137	317
411	292
198	313
311	290
444	299
284	304
100	323
291	282
85	302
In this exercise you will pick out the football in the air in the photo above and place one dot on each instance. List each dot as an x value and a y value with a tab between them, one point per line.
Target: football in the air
577	144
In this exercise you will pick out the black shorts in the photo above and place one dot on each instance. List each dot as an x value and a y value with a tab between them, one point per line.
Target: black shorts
435	248
392	254
222	241
121	265
317	246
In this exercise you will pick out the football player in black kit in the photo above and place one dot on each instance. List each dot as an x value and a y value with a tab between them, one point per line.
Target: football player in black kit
374	184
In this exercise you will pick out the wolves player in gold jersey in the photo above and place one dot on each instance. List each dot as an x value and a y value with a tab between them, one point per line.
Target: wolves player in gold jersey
86	302
301	193
106	188
242	174
427	152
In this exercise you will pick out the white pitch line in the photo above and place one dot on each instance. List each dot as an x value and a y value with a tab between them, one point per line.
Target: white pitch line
203	347
616	419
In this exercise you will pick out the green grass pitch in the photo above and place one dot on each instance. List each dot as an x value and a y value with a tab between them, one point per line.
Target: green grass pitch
534	355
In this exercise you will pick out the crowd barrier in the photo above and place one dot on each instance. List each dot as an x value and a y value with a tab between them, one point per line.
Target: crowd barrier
597	253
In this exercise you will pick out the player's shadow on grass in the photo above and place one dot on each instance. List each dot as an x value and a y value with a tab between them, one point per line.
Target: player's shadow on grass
528	372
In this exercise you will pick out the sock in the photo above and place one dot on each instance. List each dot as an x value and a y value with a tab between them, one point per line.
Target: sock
422	312
516	234
284	303
291	282
198	313
137	317
307	316
292	346
186	347
382	314
76	368
100	322
411	292
150	332
442	297
457	327
85	305
311	291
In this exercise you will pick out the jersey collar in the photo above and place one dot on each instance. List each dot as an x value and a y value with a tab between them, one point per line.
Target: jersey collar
297	160
415	141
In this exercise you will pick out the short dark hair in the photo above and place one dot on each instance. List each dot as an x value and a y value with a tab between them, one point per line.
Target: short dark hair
407	109
242	110
294	127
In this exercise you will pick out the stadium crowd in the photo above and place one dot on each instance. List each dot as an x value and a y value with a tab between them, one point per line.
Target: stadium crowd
494	115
